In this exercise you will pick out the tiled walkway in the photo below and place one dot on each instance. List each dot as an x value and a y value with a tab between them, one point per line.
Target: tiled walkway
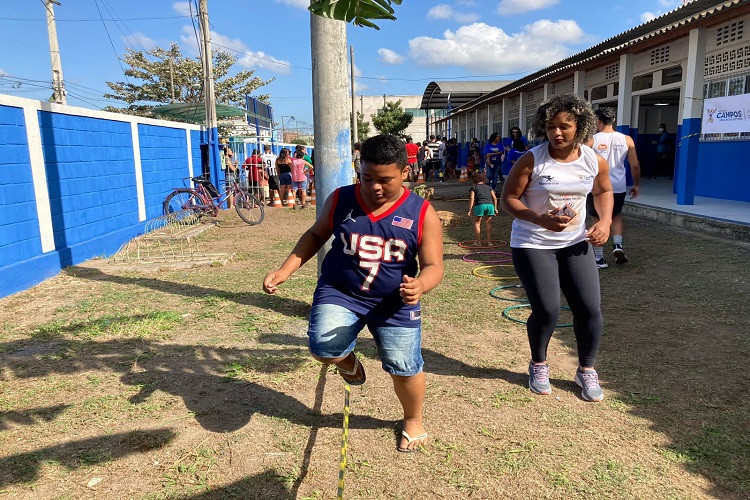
658	193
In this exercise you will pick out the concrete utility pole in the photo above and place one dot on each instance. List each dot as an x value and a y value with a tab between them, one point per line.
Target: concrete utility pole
58	86
333	147
209	96
355	136
171	80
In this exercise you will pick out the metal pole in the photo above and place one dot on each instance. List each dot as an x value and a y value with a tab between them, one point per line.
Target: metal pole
355	136
58	86
333	147
209	96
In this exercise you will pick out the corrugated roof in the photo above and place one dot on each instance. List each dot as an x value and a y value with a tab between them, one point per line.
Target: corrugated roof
681	16
436	94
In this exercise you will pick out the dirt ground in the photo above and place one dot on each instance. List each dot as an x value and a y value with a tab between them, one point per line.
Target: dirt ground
192	383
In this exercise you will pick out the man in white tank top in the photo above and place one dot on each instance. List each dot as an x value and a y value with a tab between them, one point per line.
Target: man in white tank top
614	147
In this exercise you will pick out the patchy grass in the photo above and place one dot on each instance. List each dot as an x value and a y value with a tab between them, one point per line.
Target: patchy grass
192	383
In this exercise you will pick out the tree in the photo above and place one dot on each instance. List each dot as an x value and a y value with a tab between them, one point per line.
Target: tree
360	12
363	128
152	69
392	119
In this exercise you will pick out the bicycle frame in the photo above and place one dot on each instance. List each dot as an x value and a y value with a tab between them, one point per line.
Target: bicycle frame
212	204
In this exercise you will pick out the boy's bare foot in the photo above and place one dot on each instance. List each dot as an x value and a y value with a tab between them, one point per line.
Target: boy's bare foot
412	437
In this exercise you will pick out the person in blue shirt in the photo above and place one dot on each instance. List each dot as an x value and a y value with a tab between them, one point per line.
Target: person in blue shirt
663	162
493	158
515	133
516	151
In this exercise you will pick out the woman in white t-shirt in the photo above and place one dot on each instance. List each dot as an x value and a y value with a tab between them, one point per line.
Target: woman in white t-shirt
546	193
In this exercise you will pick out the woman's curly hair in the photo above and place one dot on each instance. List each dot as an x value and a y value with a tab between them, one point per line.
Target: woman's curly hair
567	103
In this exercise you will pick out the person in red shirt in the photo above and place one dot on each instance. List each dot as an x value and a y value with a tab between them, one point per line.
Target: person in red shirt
255	174
412	150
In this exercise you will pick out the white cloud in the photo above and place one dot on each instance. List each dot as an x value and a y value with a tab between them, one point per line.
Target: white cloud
182	8
509	7
2	72
139	40
382	79
488	49
467	3
247	58
358	85
301	4
444	11
648	16
669	4
390	57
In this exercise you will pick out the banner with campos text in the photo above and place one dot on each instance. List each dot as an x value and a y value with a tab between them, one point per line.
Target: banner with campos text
723	115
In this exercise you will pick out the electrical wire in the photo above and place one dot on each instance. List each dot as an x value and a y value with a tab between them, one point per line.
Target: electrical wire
110	41
93	20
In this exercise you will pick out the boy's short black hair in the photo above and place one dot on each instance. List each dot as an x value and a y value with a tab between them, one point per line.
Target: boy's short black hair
384	149
606	115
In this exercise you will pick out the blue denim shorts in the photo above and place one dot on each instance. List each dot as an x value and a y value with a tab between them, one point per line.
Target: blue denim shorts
333	333
299	185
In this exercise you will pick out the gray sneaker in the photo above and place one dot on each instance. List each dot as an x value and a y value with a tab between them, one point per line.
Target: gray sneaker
589	382
539	378
619	254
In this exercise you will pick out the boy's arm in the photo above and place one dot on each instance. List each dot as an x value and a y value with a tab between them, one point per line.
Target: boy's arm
494	199
471	200
308	245
430	260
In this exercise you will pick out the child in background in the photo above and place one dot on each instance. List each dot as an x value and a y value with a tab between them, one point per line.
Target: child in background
300	168
370	276
482	205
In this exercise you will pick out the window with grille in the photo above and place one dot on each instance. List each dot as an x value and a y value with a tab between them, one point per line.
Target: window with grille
612	71
729	33
660	55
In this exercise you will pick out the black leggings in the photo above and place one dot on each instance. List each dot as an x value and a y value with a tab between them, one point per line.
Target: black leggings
543	273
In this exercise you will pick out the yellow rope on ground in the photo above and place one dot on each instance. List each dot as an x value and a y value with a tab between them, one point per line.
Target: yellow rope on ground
476	272
344	442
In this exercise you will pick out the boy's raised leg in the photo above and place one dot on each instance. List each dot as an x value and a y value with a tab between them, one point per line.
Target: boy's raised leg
410	392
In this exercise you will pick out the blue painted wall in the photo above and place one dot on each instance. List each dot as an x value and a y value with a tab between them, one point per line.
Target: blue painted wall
91	182
163	163
19	226
90	178
721	170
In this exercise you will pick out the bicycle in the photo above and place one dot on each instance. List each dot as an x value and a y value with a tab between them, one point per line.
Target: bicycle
205	199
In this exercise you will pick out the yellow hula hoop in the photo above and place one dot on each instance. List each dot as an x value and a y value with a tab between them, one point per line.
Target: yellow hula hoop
477	272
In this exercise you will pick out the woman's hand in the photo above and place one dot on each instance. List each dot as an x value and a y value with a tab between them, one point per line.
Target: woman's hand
598	234
550	220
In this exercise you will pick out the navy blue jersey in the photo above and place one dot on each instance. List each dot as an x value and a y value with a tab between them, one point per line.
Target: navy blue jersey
370	255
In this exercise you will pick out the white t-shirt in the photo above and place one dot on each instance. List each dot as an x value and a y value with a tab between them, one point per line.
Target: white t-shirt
269	163
552	185
441	150
613	147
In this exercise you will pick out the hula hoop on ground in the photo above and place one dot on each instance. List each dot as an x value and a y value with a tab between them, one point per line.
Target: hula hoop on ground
468	257
477	272
469	245
506	287
506	314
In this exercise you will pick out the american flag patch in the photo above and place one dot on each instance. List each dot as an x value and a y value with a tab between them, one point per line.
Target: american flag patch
402	222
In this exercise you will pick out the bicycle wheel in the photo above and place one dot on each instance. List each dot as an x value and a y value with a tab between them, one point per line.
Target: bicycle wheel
182	199
249	208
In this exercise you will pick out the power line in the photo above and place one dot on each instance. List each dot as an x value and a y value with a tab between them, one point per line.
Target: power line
110	41
93	20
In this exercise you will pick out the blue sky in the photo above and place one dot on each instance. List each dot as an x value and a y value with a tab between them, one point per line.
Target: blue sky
496	40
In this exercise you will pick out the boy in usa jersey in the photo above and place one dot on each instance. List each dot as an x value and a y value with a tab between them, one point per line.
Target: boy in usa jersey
387	250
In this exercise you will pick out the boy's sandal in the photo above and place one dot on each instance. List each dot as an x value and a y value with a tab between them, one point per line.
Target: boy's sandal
353	372
410	440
